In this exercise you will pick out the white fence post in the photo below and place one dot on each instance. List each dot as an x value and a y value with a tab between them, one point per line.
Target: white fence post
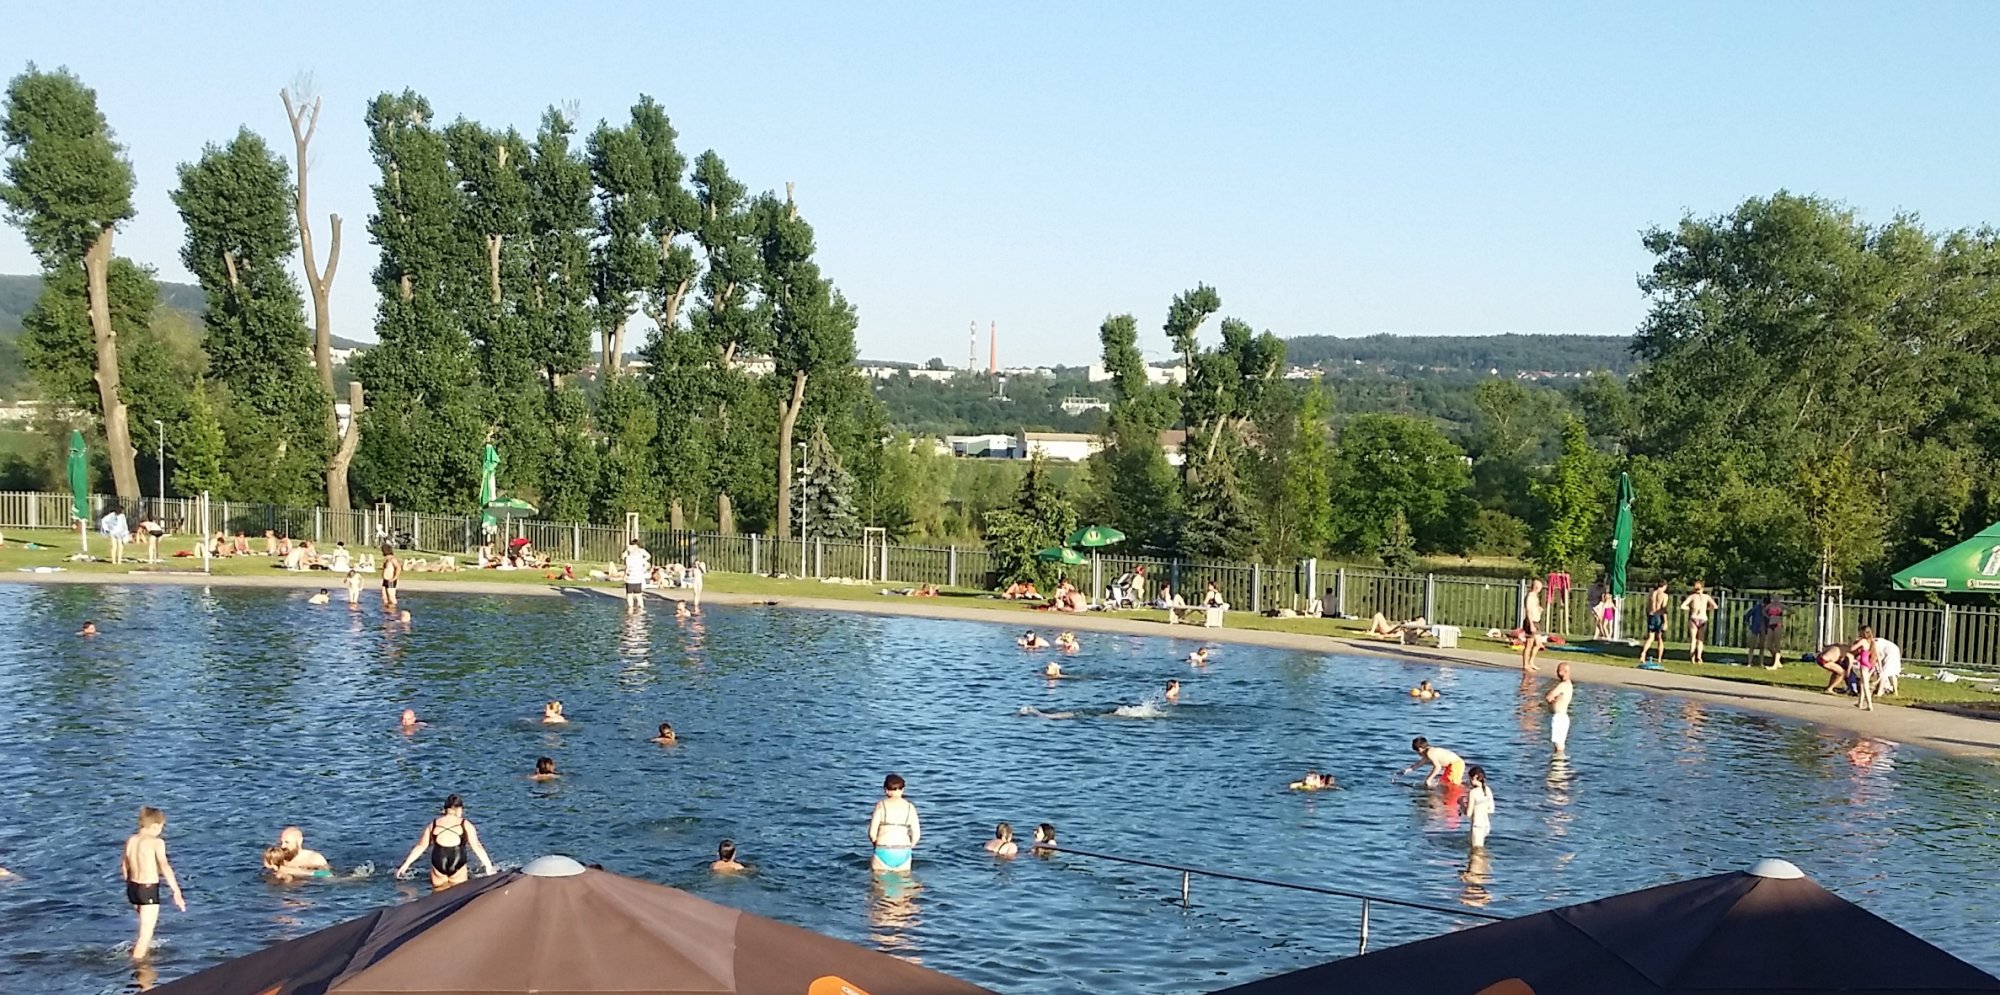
1431	598
1944	637
951	567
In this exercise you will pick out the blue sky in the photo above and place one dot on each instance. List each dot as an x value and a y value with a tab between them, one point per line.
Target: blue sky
1418	168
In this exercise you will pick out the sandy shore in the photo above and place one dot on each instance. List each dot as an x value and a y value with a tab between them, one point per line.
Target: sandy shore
1927	728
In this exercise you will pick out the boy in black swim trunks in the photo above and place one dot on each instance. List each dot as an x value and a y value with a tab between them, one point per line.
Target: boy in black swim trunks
143	865
1656	624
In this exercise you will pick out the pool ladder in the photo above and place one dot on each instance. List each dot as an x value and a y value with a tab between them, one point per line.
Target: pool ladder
1367	901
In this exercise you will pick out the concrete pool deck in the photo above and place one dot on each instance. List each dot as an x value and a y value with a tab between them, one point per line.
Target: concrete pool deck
1924	727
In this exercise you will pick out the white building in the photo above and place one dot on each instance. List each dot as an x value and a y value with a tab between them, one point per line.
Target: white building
1072	447
1173	373
1078	405
994	446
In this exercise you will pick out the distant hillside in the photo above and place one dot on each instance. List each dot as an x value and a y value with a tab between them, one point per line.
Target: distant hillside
1471	354
18	294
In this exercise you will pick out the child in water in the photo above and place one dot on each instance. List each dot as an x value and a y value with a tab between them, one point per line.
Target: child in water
666	736
144	864
1314	781
1173	690
1067	642
1477	805
725	859
545	769
1045	840
1424	692
1002	844
1030	641
1053	671
321	598
552	714
353	587
1199	658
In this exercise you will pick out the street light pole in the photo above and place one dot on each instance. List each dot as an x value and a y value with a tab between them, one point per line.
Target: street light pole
161	428
803	467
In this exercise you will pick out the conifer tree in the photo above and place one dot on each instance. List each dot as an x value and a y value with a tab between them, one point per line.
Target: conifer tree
826	492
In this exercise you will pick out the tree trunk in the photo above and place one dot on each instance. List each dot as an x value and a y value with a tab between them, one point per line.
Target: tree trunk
614	346
676	519
788	416
725	516
493	245
319	283
336	467
117	433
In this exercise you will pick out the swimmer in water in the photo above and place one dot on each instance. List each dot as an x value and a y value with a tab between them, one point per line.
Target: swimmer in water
666	736
894	828
1445	765
1314	781
295	860
1173	690
1030	641
552	714
681	610
1477	805
1045	840
545	769
1053	671
321	598
1199	658
1067	642
410	723
89	629
1002	844
1424	692
448	837
353	585
725	859
404	618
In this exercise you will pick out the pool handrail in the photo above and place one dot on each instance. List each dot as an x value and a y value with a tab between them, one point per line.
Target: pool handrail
1367	900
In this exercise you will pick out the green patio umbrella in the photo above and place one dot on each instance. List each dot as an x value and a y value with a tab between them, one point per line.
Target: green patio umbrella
79	486
1095	536
489	485
511	507
1062	554
1621	537
1972	566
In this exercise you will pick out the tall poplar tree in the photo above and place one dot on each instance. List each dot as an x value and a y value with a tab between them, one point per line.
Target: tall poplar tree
728	323
67	187
558	310
626	259
236	203
422	435
812	329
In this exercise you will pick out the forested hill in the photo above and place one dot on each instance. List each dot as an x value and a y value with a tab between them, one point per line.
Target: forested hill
1474	354
18	293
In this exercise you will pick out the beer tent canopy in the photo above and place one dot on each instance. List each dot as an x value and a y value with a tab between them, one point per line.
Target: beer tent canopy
1766	930
556	927
1972	566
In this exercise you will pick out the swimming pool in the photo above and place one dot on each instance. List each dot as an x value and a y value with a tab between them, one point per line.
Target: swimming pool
242	711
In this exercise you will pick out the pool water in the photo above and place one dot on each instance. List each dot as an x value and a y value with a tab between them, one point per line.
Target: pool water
242	711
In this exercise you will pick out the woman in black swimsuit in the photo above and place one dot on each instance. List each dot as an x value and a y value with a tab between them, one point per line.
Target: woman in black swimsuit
447	837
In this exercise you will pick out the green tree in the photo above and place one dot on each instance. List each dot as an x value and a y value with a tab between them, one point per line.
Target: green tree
1219	522
1396	547
1298	474
1571	504
236	202
826	492
728	323
423	434
1040	518
68	187
1390	465
624	256
559	321
812	329
200	451
625	480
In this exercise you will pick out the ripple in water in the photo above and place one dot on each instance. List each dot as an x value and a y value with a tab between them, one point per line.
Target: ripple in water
240	712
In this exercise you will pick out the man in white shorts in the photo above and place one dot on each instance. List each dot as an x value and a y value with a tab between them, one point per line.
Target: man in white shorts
1558	700
638	564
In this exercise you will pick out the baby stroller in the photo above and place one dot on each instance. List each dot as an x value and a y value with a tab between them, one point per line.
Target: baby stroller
1120	594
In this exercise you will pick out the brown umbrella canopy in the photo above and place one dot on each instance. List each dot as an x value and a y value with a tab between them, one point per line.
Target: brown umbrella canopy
1770	930
558	929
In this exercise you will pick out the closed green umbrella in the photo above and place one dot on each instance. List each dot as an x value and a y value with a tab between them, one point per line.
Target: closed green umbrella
1095	536
1621	536
489	485
1062	554
79	486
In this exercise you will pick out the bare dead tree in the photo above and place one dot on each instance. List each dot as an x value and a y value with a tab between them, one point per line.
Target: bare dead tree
303	114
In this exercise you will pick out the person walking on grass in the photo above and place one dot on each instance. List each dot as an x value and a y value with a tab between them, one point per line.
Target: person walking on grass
1656	625
1531	625
1699	607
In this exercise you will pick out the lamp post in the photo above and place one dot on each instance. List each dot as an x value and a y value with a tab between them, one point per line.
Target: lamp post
160	428
803	467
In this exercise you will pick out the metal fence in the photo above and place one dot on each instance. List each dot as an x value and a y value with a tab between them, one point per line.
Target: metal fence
1929	632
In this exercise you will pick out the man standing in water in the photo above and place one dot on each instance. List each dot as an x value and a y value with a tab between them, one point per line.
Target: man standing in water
392	572
1656	624
1558	700
638	563
1698	605
1531	625
893	828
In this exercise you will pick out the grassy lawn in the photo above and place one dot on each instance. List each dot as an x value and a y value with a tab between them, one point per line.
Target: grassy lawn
58	545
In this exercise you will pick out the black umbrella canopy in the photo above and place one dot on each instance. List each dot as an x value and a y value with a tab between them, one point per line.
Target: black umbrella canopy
1768	930
557	928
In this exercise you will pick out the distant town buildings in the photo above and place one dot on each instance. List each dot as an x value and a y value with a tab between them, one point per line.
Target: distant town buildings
1073	405
1174	374
1069	447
